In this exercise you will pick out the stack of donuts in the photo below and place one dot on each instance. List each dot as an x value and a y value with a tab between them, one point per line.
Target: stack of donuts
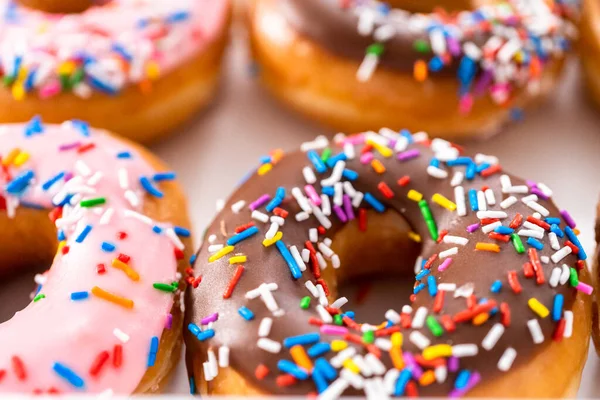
502	301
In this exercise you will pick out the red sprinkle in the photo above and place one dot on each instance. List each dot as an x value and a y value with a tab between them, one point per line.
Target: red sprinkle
528	270
411	389
324	284
559	330
498	236
2	374
99	363
122	235
385	190
516	222
487	221
123	258
65	250
19	368
350	323
447	323
86	147
371	348
471	301
362	219
280	212
405	180
285	380
315	321
513	281
242	228
117	355
539	222
430	261
580	264
491	170
574	248
178	253
441	235
100	268
387	331
467	315
350	337
261	372
438	302
233	282
321	230
505	313
537	265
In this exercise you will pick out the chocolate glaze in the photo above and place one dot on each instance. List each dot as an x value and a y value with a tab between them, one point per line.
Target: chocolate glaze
266	265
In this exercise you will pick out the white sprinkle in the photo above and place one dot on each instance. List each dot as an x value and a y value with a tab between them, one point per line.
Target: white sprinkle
505	182
349	189
338	360
214	248
302	201
375	364
132	198
472	51
419	340
509	201
554	277
264	329
319	143
545	189
305	255
356	381
301	216
122	336
389	380
220	204
506	361
107	216
393	316
457	178
93	181
535	206
339	303
481	203
447	287
447	253
362	365
533	227
465	290
356	200
490	227
298	258
519	189
322	295
123	178
212	363
419	318
420	136
272	231
492	337
349	151
335	390
568	315
140	217
508	50
560	254
489	197
545	259
456	240
325	205
323	314
565	274
531	233
401	144
406	309
383	344
553	241
441	373
367	67
436	172
39	279
309	175
262	217
465	350
438	41
459	199
312	288
335	261
535	330
212	239
527	199
321	260
323	220
170	233
237	206
491	214
418	263
278	220
269	345
323	248
223	356
336	174
338	194
82	168
208	376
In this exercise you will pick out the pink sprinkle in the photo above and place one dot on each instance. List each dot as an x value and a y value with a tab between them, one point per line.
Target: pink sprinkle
465	104
333	330
209	319
366	158
472	228
584	287
50	89
312	194
355	139
445	264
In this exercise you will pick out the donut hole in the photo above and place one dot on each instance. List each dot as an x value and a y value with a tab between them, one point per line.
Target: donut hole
379	260
427	6
27	247
61	6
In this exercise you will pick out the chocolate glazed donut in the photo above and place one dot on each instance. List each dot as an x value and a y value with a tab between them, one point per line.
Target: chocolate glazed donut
499	283
357	65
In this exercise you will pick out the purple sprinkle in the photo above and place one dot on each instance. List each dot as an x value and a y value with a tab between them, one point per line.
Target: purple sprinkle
259	202
209	319
392	143
473	380
483	82
69	146
473	227
415	369
453	46
568	219
409	154
169	321
348	207
539	193
68	176
453	364
366	158
340	213
531	183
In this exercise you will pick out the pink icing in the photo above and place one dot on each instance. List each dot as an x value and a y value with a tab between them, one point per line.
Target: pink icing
47	41
56	328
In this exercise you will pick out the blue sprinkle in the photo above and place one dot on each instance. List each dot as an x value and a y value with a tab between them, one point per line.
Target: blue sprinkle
164	176
473	200
232	241
436	64
20	182
373	202
504	230
307	338
207	334
108	247
326	369
64	201
316	161
192	385
181	231
75	296
462	379
277	200
432	285
101	86
406	133
148	187
466	70
401	382
48	184
318	349
287	256
157	229
470	171
61	235
496	286
557	308
554	228
418	288
68	374
350	174
154	344
290	368
517	114
34	126
553	221
482	167
124	154
334	159
29	81
81	237
177	17
195	329
117	48
533	242
349	314
246	313
151	359
434	162
193	259
82	126
459	161
422	274
573	238
328	190
319	380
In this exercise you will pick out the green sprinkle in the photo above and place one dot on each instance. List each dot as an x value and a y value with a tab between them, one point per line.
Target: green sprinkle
65	84
434	326
375	49
368	337
326	154
517	243
573	277
421	46
76	77
305	303
39	297
93	202
164	287
431	225
9	80
337	320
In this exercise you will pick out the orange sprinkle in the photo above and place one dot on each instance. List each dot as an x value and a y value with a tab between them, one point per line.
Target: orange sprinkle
480	318
487	247
397	358
300	357
113	298
130	272
420	71
378	166
427	378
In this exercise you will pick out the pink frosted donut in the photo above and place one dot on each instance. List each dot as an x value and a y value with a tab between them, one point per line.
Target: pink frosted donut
106	317
157	62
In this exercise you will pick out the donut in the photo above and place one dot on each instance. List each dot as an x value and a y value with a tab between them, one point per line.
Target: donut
357	65
590	48
500	289
107	316
157	62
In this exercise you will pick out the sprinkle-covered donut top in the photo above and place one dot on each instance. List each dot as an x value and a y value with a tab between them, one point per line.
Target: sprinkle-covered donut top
105	48
491	50
495	282
98	314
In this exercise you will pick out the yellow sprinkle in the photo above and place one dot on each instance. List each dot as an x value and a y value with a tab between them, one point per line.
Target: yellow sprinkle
538	307
113	298
21	159
265	168
351	365
378	166
61	244
237	260
152	70
276	238
427	378
301	358
415	237
66	68
397	339
383	150
22	75
130	272
338	345
436	351
397	357
414	195
480	319
420	71
224	251
18	91
443	201
381	325
487	247
576	232
10	158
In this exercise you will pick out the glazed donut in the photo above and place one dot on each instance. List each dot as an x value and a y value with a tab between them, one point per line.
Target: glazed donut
501	291
157	62
590	48
107	316
357	64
